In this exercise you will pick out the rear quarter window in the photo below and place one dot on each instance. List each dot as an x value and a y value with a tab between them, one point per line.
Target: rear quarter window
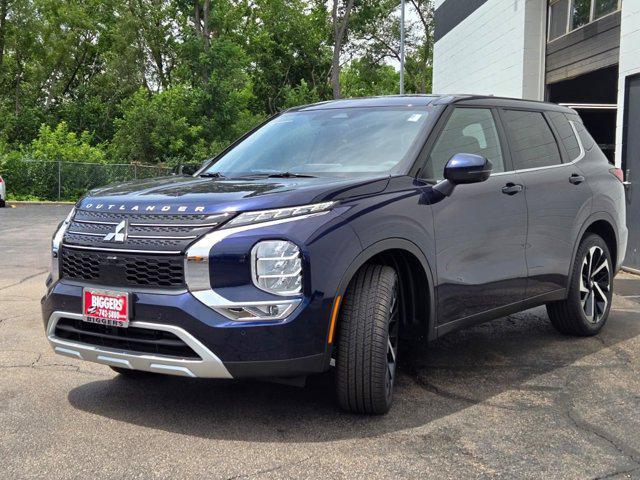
585	137
566	133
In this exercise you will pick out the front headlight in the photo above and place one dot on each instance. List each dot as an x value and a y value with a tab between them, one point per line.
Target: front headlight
278	214
276	267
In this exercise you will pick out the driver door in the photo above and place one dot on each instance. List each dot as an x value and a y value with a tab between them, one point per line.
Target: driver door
481	228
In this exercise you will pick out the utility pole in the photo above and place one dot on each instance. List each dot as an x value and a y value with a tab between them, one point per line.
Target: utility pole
402	47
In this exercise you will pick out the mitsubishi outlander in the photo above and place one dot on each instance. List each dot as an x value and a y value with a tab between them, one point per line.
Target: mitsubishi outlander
331	232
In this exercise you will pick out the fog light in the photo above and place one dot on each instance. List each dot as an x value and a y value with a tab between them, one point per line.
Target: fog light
276	267
258	311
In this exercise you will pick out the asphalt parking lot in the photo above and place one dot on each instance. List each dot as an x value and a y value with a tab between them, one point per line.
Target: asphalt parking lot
511	398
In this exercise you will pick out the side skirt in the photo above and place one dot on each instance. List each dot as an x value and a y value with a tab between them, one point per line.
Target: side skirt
495	313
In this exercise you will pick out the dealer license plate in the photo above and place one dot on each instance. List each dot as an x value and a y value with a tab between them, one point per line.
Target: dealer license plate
105	307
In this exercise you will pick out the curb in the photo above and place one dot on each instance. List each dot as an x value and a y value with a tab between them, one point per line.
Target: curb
26	202
630	270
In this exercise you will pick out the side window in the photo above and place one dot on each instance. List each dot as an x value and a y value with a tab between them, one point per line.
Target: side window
532	142
468	130
587	140
567	135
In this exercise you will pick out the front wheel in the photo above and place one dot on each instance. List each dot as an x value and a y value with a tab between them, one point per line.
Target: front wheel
587	306
368	341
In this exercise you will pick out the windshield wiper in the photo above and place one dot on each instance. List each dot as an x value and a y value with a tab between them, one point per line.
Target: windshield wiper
289	175
212	175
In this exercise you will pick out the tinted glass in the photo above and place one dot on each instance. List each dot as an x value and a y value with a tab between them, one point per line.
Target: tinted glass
349	140
580	13
559	12
604	7
532	142
587	140
468	130
566	133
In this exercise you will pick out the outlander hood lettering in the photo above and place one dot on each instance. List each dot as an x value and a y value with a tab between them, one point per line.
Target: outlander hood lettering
143	208
119	235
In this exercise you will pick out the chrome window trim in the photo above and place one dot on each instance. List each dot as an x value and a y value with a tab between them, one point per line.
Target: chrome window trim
210	365
582	154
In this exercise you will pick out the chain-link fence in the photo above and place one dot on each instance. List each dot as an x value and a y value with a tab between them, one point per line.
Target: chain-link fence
35	179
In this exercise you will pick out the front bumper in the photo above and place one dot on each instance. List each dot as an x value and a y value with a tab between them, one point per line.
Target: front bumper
210	366
290	347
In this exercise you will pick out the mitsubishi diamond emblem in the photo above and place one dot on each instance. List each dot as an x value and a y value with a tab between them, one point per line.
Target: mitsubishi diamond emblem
119	235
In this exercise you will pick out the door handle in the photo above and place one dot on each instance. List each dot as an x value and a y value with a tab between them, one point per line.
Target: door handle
576	179
512	188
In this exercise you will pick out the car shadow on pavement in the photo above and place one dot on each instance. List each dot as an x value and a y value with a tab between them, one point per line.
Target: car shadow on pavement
465	368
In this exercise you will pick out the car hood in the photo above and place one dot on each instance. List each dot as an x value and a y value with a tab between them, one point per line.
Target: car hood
177	194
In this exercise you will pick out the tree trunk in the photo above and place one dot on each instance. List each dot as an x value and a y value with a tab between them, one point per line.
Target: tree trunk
206	14
335	72
4	8
340	28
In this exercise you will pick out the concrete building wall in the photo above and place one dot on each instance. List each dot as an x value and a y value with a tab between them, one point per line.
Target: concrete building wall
508	57
629	61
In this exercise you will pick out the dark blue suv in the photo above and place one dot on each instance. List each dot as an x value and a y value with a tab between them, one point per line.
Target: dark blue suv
331	232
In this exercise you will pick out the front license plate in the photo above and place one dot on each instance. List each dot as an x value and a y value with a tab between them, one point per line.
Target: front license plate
105	307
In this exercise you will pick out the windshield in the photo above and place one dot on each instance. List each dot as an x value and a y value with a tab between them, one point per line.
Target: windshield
350	140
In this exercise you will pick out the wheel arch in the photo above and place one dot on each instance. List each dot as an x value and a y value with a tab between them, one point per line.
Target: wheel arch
604	225
413	271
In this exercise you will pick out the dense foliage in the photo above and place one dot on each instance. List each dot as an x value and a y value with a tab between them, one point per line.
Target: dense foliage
174	81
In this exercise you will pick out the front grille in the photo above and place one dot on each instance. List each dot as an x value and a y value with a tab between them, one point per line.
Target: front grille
132	339
123	270
161	233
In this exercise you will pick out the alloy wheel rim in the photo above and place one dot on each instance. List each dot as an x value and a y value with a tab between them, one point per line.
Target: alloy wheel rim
595	284
392	343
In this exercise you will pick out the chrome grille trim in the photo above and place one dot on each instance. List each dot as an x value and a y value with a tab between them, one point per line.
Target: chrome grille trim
162	233
122	250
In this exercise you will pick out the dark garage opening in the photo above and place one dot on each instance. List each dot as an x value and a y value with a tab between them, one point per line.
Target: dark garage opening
594	95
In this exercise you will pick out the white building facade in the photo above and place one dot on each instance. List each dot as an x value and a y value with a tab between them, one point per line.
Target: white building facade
581	53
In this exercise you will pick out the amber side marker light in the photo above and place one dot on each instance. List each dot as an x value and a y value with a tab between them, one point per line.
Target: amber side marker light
334	317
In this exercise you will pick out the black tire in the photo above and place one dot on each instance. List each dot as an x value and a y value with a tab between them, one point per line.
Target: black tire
368	341
586	308
128	373
2	203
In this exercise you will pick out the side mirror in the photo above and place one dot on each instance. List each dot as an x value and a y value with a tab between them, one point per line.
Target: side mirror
188	169
464	168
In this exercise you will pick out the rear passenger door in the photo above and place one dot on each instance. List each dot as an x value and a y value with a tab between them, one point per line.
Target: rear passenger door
545	153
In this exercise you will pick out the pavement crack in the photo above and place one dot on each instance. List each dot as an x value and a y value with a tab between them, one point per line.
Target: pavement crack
28	277
616	473
626	451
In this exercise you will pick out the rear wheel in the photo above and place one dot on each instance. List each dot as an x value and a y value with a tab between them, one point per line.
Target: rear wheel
587	306
2	203
368	341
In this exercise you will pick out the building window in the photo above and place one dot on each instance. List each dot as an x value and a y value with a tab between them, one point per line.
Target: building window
605	7
568	15
580	13
559	15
